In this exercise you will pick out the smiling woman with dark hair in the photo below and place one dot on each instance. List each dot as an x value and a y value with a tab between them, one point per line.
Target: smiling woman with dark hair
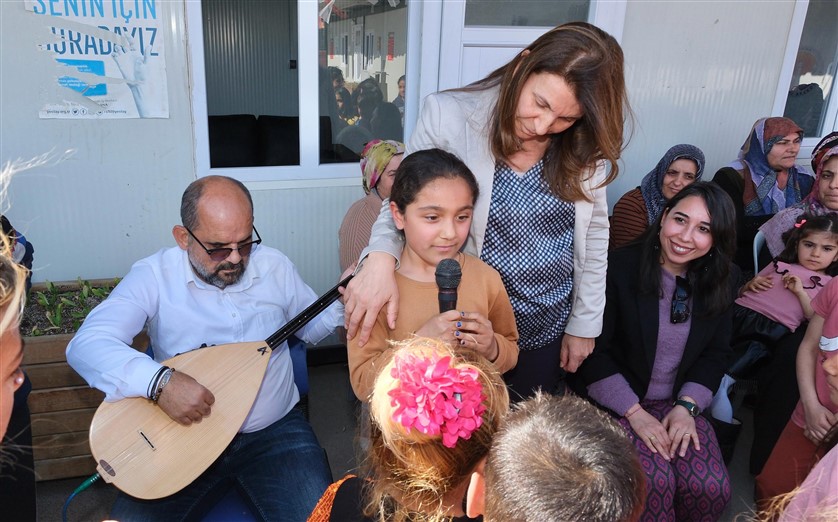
681	165
664	347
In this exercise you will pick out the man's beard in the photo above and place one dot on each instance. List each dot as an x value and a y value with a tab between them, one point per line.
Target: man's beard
215	278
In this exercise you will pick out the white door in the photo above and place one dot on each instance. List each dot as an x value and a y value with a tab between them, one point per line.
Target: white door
471	48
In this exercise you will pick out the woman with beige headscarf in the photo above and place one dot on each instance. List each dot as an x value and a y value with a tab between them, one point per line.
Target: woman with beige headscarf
379	162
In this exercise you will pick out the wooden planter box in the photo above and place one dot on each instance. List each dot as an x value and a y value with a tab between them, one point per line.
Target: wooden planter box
62	407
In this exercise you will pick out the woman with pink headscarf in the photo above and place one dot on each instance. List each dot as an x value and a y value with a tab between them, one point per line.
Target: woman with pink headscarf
379	162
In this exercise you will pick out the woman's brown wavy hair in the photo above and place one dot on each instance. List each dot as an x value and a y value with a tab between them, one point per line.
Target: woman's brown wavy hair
590	61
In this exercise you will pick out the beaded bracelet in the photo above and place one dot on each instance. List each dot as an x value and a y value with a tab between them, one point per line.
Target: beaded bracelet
164	380
634	409
152	384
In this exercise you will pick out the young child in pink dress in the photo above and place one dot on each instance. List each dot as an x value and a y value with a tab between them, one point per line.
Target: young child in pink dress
778	300
816	414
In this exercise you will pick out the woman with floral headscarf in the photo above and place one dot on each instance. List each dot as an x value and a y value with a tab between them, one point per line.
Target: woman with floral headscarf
764	180
822	199
638	208
379	162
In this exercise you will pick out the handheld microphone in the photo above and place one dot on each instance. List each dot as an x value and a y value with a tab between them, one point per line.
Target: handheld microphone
448	275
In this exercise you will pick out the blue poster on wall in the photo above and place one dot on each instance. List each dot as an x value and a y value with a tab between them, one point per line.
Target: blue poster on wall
109	58
96	67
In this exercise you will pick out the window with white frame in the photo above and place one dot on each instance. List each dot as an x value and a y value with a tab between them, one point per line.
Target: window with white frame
806	93
256	65
529	13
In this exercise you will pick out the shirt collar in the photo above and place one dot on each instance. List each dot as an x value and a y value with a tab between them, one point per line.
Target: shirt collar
251	273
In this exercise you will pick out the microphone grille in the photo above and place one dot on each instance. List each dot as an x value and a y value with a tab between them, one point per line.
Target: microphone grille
448	274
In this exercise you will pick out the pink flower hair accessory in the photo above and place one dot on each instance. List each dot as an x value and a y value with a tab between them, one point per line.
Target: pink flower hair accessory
435	398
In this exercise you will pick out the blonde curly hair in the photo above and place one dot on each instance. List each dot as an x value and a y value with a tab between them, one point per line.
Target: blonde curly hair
12	275
411	473
12	286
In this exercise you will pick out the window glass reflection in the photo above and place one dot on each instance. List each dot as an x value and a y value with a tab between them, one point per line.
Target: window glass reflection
812	83
250	52
362	66
532	13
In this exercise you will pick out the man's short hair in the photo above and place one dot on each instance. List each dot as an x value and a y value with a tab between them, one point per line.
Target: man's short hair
560	458
192	195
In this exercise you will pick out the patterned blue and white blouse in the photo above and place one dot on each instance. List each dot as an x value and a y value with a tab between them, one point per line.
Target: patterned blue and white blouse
529	240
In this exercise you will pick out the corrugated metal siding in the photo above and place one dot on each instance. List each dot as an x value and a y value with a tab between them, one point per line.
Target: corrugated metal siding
247	49
303	224
700	73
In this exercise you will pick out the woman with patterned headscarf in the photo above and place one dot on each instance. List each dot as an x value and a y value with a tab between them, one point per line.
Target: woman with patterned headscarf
777	382
638	208
379	162
822	199
764	180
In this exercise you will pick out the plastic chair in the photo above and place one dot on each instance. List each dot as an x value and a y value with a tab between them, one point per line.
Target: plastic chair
759	242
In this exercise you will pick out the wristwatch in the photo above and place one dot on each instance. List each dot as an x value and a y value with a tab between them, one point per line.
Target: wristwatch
691	407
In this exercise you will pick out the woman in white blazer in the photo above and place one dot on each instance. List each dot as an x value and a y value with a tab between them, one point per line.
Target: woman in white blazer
537	133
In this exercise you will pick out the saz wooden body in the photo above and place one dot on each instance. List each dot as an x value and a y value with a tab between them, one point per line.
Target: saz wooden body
146	454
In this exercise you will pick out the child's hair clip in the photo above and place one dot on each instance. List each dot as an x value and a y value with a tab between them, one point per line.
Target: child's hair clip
437	398
800	223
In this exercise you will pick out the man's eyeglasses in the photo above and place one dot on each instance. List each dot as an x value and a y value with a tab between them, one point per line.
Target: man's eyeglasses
680	311
816	280
220	254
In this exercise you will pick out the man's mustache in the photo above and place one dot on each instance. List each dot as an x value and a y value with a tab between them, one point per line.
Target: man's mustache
228	266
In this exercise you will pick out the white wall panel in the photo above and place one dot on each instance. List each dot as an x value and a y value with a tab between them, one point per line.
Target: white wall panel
479	61
116	199
700	73
303	224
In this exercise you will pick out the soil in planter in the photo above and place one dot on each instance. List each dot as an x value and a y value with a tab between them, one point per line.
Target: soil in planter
55	308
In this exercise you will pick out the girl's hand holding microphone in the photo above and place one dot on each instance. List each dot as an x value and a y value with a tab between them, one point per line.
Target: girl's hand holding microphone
469	329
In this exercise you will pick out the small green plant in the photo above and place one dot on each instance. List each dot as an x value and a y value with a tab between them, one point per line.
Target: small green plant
50	301
61	305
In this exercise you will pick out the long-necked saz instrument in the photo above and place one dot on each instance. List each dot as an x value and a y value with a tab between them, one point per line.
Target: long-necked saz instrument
146	454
